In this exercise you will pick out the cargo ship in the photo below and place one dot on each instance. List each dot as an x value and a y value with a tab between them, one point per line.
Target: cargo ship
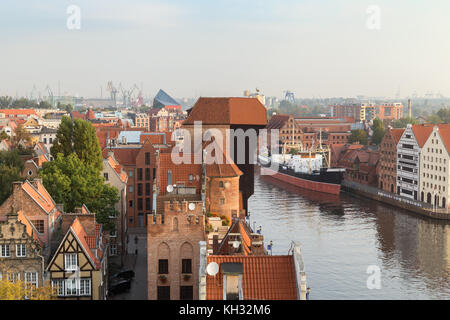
305	168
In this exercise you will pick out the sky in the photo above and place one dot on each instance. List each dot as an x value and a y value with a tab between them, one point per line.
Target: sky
191	48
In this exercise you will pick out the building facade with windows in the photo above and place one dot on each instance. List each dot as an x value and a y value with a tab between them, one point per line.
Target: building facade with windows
79	268
408	159
20	251
434	167
173	251
387	165
115	176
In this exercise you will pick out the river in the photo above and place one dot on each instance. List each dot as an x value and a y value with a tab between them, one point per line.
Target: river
341	236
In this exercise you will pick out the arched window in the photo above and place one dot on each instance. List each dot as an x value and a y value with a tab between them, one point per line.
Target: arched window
175	224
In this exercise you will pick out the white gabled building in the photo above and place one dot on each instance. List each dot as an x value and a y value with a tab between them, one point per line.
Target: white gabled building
435	166
408	159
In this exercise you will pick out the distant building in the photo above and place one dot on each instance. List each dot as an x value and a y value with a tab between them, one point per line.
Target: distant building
387	166
434	167
162	100
366	112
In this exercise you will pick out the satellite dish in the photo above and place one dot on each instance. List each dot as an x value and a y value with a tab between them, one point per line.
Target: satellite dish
169	188
212	268
191	206
236	244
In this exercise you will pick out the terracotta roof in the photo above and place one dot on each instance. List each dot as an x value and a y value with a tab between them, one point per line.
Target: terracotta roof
422	132
234	111
154	138
17	112
88	242
445	135
125	156
31	230
224	166
397	134
39	195
117	168
264	277
90	115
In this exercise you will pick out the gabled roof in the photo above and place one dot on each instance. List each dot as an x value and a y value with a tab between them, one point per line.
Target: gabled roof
125	156
40	196
397	134
226	166
117	168
422	132
86	241
228	111
264	277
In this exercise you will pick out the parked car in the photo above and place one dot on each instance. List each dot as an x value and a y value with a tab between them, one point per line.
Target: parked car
124	274
118	285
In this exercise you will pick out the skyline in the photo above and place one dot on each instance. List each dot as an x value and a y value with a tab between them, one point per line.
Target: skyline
199	48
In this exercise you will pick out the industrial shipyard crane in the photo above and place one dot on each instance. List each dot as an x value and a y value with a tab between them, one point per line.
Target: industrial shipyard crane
113	92
289	96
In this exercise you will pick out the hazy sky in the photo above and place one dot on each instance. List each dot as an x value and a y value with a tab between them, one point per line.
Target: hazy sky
319	48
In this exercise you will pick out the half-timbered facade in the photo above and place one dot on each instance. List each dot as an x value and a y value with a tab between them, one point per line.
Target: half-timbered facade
78	269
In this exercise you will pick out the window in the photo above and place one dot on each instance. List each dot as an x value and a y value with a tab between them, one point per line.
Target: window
70	261
113	250
31	279
130	203
140	204
21	250
139	173
169	177
163	293
163	266
130	189
186	293
139	189
186	266
130	173
39	225
71	287
85	287
147	203
222	201
191	177
59	284
147	158
105	175
147	174
5	251
220	184
147	189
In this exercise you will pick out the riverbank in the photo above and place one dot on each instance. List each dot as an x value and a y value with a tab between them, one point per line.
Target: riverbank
393	199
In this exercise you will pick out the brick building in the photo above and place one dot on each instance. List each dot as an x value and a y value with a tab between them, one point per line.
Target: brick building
366	112
225	114
139	163
174	252
360	165
36	204
387	166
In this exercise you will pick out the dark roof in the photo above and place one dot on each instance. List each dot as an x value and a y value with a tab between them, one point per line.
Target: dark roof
162	99
277	121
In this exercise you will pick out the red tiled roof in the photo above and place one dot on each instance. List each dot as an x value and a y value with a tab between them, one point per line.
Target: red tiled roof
126	156
31	230
264	278
223	166
422	132
90	115
397	134
245	111
153	138
445	135
118	168
16	112
39	195
88	242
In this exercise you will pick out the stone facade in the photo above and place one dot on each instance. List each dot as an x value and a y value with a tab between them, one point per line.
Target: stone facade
434	168
174	251
21	260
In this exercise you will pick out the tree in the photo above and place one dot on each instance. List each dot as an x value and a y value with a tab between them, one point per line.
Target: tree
378	131
5	102
3	135
11	167
72	182
19	290
359	136
20	134
44	105
444	115
435	119
403	122
78	136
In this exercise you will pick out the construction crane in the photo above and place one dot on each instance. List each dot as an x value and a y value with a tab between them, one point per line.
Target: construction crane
113	92
50	95
289	96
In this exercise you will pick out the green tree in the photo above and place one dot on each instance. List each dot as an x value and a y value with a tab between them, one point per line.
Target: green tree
378	131
359	136
5	101
78	136
403	122
11	167
74	183
444	115
435	119
20	134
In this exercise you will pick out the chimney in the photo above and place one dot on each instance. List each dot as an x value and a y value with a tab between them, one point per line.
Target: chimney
409	108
